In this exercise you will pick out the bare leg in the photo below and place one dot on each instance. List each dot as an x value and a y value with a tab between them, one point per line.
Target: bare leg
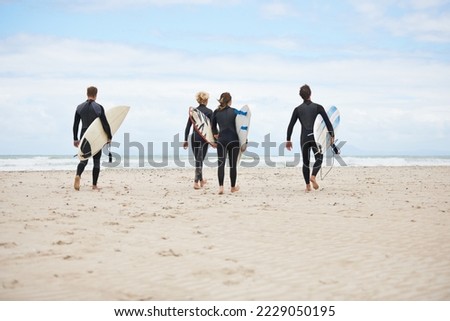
235	189
76	183
314	182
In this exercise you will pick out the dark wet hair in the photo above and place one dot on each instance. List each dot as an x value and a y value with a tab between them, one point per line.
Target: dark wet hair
224	100
305	92
92	91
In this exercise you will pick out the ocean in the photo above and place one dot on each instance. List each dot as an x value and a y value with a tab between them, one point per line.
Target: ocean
66	162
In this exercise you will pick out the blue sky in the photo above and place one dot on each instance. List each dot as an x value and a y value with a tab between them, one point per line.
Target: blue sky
385	64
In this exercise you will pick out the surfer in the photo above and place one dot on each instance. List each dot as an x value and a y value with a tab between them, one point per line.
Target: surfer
307	113
87	112
227	140
199	145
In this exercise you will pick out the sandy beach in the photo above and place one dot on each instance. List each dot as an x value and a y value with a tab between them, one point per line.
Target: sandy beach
368	233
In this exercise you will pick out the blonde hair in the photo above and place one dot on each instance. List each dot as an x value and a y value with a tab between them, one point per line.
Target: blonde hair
202	97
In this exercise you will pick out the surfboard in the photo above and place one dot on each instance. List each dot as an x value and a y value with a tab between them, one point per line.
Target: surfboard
321	134
202	124
242	124
95	137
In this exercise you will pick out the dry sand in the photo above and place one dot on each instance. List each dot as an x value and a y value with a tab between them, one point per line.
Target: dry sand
367	234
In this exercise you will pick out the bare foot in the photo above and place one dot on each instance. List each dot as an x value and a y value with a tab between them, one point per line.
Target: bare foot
314	182
203	182
308	188
220	190
76	184
235	189
196	185
96	188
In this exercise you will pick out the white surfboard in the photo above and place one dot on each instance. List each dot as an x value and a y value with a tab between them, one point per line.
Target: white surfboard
321	134
242	124
202	124
95	137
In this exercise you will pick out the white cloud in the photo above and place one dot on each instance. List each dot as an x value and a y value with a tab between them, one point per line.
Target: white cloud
96	5
420	19
422	26
424	4
381	100
282	43
277	9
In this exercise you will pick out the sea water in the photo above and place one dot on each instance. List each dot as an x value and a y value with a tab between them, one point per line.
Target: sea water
68	162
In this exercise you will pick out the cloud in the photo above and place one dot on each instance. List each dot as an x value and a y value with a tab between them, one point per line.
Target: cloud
419	19
424	4
102	5
282	43
389	104
422	26
277	9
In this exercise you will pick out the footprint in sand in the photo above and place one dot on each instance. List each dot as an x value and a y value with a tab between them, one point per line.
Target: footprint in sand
11	284
62	243
8	245
169	252
236	275
70	258
111	223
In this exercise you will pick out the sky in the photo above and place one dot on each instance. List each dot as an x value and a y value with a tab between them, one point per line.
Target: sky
385	64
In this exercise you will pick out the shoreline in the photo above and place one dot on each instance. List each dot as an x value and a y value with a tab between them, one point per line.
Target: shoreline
214	168
51	163
369	233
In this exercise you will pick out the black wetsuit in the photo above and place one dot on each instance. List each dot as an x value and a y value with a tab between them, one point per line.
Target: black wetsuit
307	113
199	146
87	112
227	143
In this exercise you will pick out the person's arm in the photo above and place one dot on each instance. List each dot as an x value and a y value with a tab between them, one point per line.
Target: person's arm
291	125
214	125
327	121
186	133
105	124
76	123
